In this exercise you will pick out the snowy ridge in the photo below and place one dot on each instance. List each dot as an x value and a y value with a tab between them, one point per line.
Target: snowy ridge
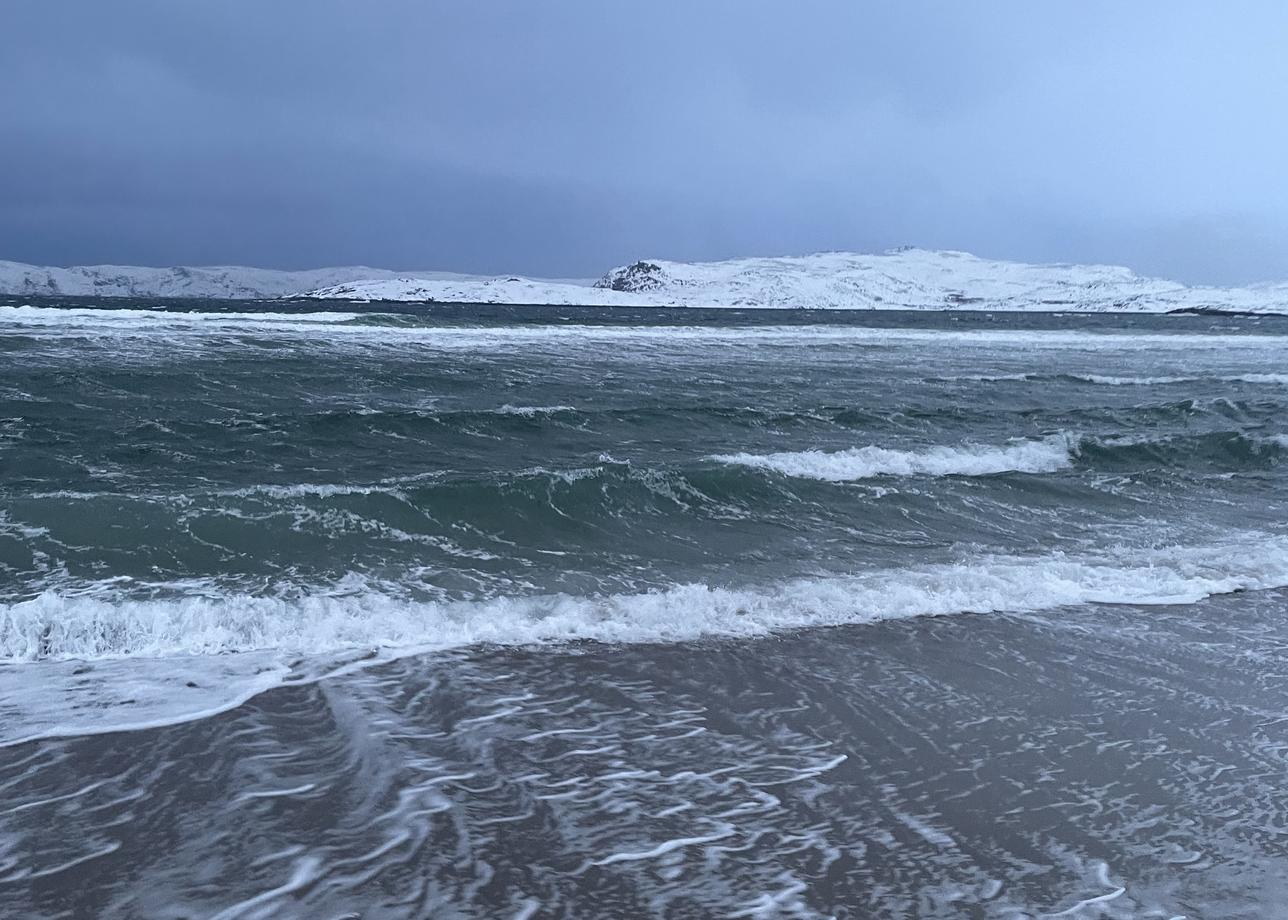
905	279
918	279
505	290
220	281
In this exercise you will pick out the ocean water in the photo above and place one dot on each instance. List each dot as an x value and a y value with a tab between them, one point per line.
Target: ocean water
551	612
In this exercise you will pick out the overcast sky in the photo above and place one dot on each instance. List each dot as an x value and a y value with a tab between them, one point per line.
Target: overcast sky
561	138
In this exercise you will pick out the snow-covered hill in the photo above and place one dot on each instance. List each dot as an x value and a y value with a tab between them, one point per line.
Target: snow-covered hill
905	279
509	289
925	279
221	281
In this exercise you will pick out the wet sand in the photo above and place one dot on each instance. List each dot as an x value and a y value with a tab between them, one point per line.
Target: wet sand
1103	761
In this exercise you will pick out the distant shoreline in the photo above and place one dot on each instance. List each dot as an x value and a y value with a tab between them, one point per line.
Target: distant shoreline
905	279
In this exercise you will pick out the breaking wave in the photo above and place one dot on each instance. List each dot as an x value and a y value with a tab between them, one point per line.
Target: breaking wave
1228	450
105	624
1043	456
533	411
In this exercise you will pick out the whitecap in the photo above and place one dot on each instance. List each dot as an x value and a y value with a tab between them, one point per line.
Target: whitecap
182	636
1042	456
531	411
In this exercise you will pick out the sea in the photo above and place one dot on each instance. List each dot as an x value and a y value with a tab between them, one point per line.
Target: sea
319	610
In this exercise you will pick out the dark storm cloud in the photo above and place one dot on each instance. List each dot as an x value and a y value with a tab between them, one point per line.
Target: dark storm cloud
563	137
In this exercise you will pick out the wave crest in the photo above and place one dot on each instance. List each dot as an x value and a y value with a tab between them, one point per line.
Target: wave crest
1047	455
356	615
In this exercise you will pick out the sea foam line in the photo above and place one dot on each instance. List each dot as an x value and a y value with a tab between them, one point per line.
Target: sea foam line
1116	381
393	329
153	663
110	624
1042	456
532	411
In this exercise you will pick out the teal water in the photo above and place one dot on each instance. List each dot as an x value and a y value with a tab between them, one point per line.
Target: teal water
198	505
416	456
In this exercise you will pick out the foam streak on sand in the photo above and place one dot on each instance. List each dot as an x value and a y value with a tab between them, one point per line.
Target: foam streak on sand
1044	456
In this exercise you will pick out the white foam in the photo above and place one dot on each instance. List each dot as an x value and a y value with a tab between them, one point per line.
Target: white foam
68	697
340	327
1279	379
192	634
1044	456
1114	381
1111	381
984	378
532	411
104	624
319	489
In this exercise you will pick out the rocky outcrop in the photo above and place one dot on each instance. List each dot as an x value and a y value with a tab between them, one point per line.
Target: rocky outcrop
639	276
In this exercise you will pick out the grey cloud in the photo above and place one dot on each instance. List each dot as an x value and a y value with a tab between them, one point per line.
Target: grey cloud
561	137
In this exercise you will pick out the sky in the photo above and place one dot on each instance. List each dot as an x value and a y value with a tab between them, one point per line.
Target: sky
563	137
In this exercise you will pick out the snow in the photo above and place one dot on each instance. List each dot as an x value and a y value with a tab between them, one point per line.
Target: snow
916	279
506	290
904	279
219	281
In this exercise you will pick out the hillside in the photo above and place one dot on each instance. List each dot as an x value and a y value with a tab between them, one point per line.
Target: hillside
221	281
904	279
924	279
